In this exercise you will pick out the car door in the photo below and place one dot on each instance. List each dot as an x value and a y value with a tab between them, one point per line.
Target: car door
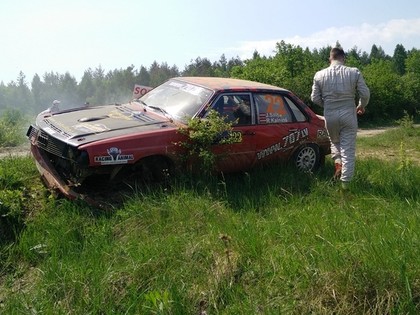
239	109
282	127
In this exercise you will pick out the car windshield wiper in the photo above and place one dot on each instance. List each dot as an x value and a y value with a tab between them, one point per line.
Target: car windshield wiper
160	109
142	103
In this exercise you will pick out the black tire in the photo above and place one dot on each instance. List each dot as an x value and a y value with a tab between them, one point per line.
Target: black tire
156	169
307	158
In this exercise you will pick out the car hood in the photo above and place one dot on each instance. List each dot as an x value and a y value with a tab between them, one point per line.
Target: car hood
81	126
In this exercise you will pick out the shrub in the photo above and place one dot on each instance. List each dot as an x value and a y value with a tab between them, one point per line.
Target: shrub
11	125
202	134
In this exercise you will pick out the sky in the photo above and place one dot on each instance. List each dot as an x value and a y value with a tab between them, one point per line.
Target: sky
39	36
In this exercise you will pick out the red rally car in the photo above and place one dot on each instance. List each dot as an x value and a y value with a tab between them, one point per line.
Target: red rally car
113	141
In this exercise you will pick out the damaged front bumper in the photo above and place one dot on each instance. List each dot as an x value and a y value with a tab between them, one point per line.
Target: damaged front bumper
53	180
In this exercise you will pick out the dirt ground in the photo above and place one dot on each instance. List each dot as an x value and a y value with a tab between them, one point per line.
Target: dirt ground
371	132
412	156
21	150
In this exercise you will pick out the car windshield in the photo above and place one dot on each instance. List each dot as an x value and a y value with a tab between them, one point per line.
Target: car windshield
178	99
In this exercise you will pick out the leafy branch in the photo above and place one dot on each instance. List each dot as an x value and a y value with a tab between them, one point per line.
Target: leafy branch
202	134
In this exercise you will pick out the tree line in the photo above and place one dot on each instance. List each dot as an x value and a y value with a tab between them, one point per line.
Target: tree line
394	81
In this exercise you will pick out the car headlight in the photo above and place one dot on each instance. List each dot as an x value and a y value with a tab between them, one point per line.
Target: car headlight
83	158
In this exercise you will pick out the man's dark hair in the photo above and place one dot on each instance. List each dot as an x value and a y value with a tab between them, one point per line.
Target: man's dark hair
337	53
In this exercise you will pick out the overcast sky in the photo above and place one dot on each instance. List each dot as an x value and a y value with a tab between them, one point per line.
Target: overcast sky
41	36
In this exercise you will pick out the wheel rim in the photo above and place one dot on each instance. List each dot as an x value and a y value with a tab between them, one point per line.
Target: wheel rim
306	159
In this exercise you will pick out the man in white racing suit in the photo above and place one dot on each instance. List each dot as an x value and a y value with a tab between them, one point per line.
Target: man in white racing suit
334	88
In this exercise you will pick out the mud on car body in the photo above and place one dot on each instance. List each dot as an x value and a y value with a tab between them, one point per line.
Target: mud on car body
139	138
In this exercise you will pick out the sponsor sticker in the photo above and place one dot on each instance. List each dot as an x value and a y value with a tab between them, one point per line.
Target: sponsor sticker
114	156
286	143
322	133
89	128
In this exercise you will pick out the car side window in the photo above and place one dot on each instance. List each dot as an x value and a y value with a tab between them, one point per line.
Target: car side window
224	105
236	108
272	109
299	116
243	109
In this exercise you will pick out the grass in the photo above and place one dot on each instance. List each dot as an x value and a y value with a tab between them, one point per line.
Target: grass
271	241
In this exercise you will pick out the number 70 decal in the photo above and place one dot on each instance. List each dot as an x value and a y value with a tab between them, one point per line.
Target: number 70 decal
294	136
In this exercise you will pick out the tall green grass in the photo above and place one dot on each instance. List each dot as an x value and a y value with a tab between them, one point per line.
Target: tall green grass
271	241
17	189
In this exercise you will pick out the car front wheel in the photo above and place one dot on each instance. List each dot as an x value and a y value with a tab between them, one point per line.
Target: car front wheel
307	158
155	169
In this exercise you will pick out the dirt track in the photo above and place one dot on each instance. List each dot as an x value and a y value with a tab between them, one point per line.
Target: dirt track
21	150
389	154
372	132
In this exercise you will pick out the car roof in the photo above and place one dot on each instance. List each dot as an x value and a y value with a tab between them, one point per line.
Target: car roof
218	84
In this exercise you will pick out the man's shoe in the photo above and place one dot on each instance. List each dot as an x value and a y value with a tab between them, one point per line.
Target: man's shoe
337	173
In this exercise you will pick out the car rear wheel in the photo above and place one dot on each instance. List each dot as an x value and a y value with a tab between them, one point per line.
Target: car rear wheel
307	158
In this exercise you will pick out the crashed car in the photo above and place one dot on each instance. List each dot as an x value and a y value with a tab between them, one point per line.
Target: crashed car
111	142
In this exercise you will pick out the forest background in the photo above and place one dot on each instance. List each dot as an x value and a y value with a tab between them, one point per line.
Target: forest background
394	81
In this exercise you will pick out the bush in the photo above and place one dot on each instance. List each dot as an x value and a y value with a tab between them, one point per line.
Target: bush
202	134
12	123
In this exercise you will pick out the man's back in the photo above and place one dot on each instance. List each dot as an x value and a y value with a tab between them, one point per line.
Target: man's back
336	86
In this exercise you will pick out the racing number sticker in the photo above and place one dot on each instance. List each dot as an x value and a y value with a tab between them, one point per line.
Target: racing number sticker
236	136
275	105
276	111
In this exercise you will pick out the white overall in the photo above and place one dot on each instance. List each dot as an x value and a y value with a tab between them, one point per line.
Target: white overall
334	88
